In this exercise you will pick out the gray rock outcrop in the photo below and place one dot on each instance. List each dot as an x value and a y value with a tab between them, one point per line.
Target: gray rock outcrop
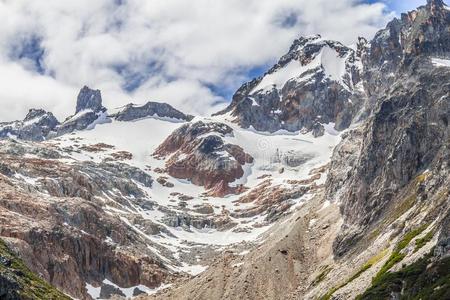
36	126
133	112
89	112
89	99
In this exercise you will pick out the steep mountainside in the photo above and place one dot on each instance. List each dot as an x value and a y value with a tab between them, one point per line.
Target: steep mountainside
317	82
326	178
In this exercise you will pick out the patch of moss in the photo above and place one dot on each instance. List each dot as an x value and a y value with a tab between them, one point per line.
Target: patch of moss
376	258
425	279
30	286
396	255
401	208
422	177
409	237
372	261
423	241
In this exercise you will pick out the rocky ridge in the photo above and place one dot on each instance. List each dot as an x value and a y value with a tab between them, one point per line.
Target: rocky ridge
37	125
151	109
317	82
89	112
40	125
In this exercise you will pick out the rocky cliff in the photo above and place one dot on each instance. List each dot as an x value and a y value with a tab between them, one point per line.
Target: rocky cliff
18	282
89	112
407	135
55	220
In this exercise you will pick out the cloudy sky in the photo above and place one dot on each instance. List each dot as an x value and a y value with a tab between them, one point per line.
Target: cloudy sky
190	53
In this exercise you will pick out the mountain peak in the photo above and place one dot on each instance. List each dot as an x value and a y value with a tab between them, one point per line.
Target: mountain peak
89	99
436	6
35	113
438	3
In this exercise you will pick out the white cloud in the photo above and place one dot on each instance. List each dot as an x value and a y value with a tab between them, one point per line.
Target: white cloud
175	48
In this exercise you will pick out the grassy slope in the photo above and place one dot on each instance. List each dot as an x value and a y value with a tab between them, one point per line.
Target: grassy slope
425	279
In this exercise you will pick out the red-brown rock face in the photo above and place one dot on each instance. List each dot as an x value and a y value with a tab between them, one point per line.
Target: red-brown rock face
58	225
199	153
70	242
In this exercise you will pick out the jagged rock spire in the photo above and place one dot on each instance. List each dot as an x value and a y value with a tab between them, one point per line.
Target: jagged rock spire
89	99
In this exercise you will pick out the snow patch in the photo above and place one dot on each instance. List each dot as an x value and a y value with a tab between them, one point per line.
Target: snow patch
243	180
29	180
193	269
254	103
439	62
329	128
101	119
78	115
280	77
333	64
328	59
94	292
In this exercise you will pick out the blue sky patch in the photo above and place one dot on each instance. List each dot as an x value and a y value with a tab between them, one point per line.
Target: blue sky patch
30	52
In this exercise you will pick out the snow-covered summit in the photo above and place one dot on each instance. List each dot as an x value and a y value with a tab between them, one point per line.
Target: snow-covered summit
311	85
306	57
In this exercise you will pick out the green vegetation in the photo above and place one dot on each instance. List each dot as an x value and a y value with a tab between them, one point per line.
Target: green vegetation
423	241
407	202
425	279
409	237
396	255
394	259
367	266
30	286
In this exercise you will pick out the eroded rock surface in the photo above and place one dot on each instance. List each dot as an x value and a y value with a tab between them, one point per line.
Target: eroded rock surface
198	152
408	131
52	216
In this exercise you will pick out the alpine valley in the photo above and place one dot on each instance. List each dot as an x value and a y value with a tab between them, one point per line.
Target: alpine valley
326	178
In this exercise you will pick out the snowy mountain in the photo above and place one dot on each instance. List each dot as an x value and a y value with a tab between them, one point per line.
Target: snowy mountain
316	83
327	177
